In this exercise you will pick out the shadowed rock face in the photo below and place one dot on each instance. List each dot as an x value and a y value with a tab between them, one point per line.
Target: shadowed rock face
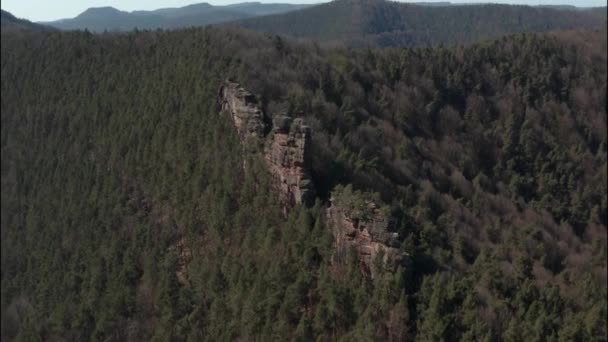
243	109
286	149
368	236
287	155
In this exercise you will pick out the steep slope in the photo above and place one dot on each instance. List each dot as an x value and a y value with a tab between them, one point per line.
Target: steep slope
384	23
127	213
9	22
111	19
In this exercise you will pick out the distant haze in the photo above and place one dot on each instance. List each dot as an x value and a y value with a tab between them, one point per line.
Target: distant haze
44	10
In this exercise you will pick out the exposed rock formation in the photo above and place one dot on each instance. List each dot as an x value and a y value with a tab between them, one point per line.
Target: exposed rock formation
288	157
355	219
359	223
243	108
287	146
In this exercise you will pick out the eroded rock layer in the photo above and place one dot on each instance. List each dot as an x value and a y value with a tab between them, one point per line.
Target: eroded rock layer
355	220
287	155
359	224
286	149
244	111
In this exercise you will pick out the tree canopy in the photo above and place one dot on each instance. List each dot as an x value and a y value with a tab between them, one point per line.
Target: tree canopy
127	214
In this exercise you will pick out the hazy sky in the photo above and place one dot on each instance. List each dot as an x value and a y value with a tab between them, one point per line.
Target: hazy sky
42	10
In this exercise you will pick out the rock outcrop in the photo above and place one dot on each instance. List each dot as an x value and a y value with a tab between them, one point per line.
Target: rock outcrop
287	146
244	111
287	155
359	223
356	221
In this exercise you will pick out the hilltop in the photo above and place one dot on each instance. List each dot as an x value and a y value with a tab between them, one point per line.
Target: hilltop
9	22
99	19
387	23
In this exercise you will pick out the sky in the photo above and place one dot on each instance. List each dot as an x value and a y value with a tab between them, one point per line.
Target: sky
45	10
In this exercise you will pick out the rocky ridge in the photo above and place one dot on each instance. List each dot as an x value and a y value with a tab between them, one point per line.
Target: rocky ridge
356	221
286	145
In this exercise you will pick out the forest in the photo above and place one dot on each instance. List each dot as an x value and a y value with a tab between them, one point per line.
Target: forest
383	23
126	213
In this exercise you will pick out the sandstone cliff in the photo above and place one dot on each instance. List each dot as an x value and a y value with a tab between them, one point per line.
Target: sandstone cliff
287	155
244	111
286	149
357	222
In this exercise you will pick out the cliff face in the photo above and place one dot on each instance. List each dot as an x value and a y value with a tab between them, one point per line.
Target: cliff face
355	220
369	237
286	149
288	158
243	109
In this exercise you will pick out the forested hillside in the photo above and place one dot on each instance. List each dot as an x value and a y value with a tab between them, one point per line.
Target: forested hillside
128	214
9	22
388	23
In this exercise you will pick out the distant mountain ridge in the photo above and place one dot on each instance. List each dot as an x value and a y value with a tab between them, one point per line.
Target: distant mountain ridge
109	18
358	22
387	23
11	23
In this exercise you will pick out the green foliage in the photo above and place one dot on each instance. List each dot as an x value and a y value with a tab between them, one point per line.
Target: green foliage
127	213
357	204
